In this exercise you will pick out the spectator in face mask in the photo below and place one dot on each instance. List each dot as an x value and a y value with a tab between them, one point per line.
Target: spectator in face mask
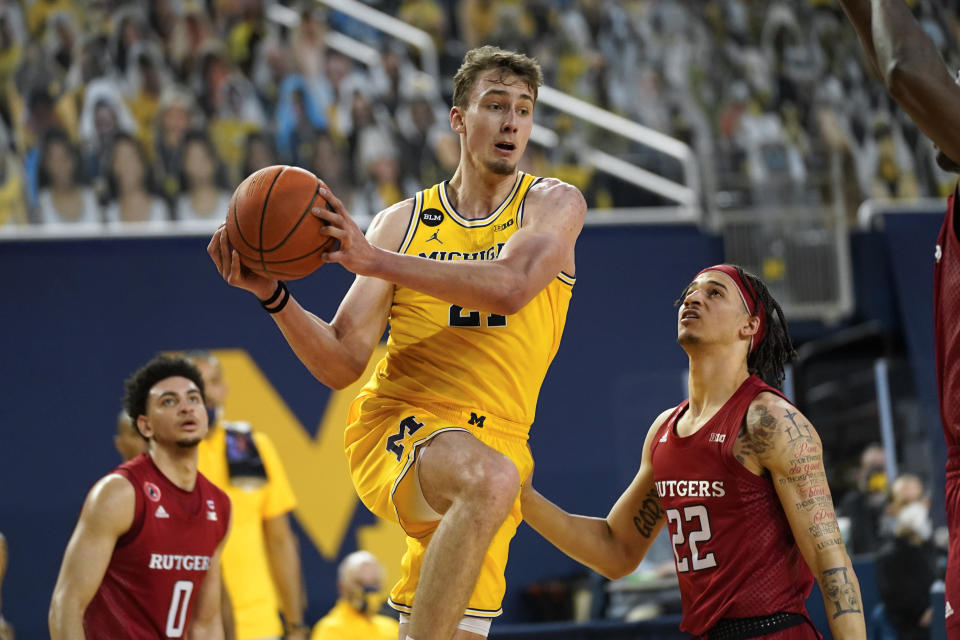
906	571
865	505
355	617
905	490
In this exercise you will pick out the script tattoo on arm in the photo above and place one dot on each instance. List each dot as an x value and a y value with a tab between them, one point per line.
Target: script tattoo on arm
840	592
649	514
793	446
793	455
806	471
807	478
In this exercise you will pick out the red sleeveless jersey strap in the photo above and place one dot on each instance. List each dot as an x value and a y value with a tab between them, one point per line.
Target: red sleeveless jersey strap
739	403
139	510
744	397
667	424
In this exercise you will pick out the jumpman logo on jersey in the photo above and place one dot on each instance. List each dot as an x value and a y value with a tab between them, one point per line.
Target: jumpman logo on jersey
435	237
937	253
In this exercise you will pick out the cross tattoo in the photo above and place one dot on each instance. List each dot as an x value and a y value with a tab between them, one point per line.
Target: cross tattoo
796	431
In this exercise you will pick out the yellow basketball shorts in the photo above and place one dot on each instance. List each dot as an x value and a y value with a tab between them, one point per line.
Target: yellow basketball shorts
382	440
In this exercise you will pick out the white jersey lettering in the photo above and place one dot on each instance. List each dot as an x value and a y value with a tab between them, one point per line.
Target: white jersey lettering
177	562
690	488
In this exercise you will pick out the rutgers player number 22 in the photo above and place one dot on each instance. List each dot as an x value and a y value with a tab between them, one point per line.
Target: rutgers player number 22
696	520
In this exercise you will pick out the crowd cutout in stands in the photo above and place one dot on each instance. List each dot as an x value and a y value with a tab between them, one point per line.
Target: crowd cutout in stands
774	98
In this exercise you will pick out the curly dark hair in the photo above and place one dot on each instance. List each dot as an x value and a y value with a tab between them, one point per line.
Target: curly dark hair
143	379
776	349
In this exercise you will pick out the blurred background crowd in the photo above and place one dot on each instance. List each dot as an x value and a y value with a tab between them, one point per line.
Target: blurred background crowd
114	112
150	112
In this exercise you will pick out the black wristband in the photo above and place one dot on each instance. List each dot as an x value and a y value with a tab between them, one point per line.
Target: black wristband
273	297
281	291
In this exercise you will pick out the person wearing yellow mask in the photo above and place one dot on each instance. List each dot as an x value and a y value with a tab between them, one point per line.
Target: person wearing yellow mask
355	617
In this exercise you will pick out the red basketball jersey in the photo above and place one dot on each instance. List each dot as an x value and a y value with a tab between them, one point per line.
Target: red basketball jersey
946	312
734	550
154	576
946	332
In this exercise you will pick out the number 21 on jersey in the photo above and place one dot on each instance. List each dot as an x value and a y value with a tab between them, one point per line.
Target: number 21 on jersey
696	520
472	318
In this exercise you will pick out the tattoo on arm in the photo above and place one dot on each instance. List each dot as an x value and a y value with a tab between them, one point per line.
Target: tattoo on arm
802	455
742	447
762	427
832	542
839	591
825	529
808	478
797	431
649	514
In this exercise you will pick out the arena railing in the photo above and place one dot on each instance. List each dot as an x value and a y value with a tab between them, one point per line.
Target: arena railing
870	213
687	196
101	230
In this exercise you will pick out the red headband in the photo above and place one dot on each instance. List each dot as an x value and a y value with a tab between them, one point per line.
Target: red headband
749	296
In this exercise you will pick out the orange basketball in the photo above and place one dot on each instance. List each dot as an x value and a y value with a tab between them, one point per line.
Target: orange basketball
271	226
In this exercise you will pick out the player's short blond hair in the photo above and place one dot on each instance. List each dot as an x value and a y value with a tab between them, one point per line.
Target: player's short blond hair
486	58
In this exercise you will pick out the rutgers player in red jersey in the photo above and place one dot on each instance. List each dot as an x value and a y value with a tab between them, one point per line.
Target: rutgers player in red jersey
736	473
915	76
144	560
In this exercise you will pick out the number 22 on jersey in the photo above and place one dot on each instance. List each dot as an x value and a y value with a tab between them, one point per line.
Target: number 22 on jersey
696	520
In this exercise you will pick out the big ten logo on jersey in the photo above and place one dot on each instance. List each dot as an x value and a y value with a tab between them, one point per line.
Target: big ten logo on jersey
309	462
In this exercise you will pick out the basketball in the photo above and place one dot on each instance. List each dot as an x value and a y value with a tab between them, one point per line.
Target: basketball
271	225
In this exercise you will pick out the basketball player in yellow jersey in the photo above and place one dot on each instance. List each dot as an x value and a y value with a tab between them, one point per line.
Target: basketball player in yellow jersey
474	275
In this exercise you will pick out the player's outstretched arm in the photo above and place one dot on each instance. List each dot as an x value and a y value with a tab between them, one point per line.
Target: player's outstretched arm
553	217
910	65
788	446
611	546
335	352
858	11
207	620
107	514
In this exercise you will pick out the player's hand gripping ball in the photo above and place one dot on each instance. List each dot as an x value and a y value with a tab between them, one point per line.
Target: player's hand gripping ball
271	223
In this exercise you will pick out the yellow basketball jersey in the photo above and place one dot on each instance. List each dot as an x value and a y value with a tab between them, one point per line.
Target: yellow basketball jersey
441	356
